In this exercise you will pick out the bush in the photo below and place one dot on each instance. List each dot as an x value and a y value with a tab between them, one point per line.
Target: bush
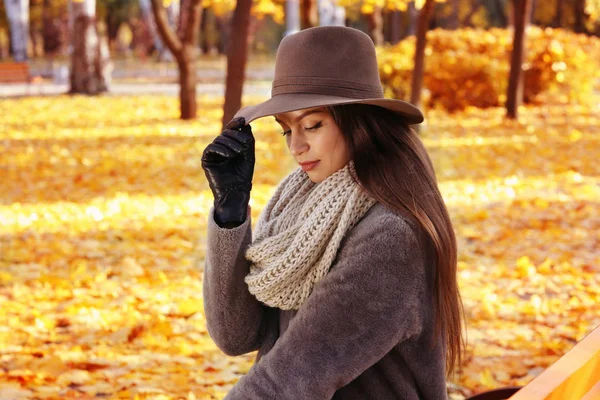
470	67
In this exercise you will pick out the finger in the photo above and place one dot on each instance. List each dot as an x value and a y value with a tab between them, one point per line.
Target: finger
243	136
236	123
233	135
217	153
230	142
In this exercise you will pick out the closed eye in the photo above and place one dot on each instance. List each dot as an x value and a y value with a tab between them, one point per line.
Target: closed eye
315	127
310	128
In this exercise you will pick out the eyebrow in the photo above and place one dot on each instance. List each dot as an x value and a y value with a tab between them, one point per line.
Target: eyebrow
304	114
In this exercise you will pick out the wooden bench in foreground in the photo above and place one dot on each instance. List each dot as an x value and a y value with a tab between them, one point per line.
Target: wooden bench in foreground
575	376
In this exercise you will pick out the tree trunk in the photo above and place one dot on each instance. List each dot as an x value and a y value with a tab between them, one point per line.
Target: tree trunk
184	6
580	17
309	16
187	83
37	42
510	5
112	27
90	66
184	50
499	5
203	29
146	9
17	12
412	15
514	95
224	28
50	31
255	26
375	23
419	69
339	16
558	14
454	22
395	22
237	54
210	32
330	14
292	17
173	13
3	50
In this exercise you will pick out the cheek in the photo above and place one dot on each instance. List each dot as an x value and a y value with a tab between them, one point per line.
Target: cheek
340	150
330	144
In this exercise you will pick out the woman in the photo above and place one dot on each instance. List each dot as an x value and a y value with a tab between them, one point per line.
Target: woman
347	288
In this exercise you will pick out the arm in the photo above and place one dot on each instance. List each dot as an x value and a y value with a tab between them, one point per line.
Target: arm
234	317
371	300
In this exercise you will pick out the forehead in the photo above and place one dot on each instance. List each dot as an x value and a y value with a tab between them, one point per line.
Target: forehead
292	116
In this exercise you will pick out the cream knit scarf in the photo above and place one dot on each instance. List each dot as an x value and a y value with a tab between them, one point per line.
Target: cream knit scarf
298	234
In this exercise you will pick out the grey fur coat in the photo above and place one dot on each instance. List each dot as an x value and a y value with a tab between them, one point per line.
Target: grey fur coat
365	332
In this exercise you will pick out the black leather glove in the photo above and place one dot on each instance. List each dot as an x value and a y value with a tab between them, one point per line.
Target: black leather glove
228	163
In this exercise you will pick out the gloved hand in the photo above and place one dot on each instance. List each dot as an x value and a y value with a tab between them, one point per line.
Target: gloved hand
228	163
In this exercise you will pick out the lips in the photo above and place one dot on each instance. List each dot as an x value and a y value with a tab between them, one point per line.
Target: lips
307	166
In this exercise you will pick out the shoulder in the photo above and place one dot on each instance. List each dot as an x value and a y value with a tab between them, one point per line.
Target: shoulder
386	227
386	239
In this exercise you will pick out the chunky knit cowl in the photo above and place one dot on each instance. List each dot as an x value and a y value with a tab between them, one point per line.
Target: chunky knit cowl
298	235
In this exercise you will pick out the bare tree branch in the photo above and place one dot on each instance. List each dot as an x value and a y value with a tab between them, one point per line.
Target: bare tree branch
184	5
166	32
192	29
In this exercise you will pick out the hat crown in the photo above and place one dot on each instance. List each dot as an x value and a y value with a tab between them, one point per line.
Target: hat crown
327	66
335	60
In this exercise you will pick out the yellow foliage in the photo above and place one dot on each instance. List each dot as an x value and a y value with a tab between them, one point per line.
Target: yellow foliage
470	67
368	6
274	8
470	13
592	9
219	7
260	8
103	234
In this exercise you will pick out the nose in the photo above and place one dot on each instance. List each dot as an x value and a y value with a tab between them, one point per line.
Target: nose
297	144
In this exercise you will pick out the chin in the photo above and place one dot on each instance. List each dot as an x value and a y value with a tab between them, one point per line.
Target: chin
315	178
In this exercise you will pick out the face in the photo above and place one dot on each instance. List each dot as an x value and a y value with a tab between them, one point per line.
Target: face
315	141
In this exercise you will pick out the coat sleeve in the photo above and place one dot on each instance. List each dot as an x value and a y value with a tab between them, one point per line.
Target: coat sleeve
235	319
369	302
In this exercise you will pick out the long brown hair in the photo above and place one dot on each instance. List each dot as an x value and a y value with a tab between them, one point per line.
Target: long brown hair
393	166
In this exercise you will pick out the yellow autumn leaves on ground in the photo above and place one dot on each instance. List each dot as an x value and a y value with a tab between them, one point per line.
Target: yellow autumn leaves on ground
103	224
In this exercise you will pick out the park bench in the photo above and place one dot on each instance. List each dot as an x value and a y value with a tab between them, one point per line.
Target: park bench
14	72
575	376
18	72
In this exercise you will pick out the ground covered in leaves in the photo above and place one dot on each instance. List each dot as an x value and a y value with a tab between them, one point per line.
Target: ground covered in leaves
103	223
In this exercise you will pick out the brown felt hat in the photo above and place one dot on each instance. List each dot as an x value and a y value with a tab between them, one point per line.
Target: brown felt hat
325	66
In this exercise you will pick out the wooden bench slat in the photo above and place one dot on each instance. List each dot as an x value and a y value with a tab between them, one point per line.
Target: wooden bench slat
593	394
575	376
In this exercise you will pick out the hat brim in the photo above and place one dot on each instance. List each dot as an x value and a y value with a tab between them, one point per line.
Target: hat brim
298	101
